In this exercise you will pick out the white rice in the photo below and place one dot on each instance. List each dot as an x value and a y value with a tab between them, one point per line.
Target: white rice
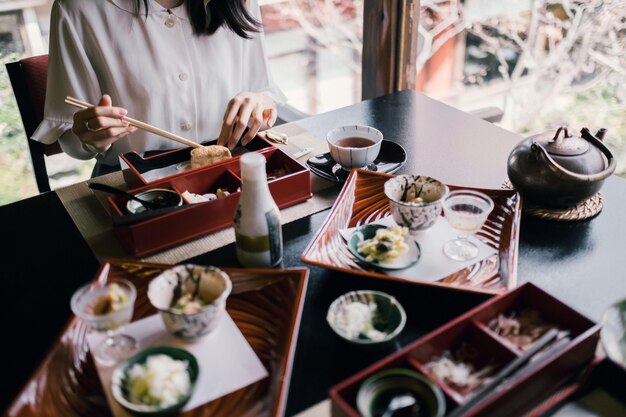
161	381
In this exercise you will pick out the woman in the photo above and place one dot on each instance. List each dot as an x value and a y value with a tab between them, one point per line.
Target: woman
196	68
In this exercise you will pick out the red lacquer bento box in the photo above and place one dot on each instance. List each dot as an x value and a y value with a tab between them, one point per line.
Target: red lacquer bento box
139	170
190	221
479	336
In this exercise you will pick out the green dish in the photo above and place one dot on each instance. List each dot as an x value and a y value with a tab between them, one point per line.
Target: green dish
401	262
120	375
379	393
390	317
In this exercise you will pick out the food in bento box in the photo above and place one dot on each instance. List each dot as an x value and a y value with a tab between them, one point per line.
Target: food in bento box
222	192
457	370
194	198
521	328
276	173
208	155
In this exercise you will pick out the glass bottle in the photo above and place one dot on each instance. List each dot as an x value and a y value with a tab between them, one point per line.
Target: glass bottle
258	232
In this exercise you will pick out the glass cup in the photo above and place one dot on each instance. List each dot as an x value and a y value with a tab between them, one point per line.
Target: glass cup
466	212
106	308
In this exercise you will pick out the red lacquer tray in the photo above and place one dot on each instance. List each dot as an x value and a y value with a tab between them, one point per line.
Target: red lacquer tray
363	201
195	220
265	304
472	331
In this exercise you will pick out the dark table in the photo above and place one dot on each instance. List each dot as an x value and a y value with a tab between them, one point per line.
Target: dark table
44	257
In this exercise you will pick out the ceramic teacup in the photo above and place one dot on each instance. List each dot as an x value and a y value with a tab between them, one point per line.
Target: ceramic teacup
354	146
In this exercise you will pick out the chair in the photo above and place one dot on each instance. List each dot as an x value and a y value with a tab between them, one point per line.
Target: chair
28	79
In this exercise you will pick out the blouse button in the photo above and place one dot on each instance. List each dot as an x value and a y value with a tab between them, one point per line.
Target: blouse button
185	126
183	76
169	22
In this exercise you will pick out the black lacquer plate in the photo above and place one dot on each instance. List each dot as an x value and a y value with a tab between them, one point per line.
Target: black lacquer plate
391	158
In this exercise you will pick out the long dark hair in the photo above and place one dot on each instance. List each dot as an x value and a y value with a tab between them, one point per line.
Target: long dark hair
230	13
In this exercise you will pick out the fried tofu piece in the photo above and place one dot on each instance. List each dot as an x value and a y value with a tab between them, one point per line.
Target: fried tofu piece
208	155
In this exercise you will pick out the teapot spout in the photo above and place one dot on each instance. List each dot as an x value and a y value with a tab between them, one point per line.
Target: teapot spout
601	133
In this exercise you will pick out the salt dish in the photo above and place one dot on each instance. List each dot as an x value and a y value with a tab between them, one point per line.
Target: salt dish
191	299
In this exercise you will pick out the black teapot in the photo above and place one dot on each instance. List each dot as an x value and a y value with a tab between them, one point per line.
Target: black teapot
560	171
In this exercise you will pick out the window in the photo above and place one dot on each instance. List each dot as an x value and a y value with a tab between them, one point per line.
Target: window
314	49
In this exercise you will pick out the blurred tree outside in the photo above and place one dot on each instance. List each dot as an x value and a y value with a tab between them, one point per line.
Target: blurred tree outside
17	180
544	62
16	177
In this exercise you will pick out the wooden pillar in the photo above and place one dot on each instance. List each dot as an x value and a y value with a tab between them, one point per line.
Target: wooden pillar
389	46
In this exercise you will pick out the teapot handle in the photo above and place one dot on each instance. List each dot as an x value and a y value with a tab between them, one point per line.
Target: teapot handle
567	174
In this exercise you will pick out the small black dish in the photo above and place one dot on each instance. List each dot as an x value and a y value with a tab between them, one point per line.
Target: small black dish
391	158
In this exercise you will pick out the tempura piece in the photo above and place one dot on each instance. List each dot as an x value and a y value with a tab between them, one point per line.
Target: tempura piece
208	155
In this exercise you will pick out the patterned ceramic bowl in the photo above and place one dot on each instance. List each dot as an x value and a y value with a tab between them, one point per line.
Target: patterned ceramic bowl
415	200
191	298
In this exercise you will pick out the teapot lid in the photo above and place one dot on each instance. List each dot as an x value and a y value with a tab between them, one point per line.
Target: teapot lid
566	144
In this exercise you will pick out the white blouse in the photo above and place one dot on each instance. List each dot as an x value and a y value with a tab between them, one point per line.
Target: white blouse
155	67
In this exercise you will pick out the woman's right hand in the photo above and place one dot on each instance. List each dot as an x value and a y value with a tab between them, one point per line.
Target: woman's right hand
100	126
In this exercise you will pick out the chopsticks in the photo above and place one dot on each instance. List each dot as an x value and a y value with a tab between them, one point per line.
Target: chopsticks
139	124
486	390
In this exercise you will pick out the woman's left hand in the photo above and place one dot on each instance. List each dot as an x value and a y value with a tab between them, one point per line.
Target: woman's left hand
253	109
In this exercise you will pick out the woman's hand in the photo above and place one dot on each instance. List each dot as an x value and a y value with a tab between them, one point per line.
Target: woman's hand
100	126
254	109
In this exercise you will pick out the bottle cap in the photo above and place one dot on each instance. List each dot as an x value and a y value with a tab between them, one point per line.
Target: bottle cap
252	166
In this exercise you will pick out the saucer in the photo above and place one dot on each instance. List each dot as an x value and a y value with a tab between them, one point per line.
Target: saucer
401	262
391	158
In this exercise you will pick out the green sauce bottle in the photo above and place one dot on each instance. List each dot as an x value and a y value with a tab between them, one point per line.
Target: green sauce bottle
258	232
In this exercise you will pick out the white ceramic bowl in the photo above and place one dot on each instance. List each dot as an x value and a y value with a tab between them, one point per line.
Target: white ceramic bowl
210	283
389	318
402	190
352	156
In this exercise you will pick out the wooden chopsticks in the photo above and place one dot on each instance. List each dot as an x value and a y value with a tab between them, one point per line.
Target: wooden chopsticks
139	124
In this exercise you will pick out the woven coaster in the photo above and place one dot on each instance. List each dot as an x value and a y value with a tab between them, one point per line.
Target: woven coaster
583	211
